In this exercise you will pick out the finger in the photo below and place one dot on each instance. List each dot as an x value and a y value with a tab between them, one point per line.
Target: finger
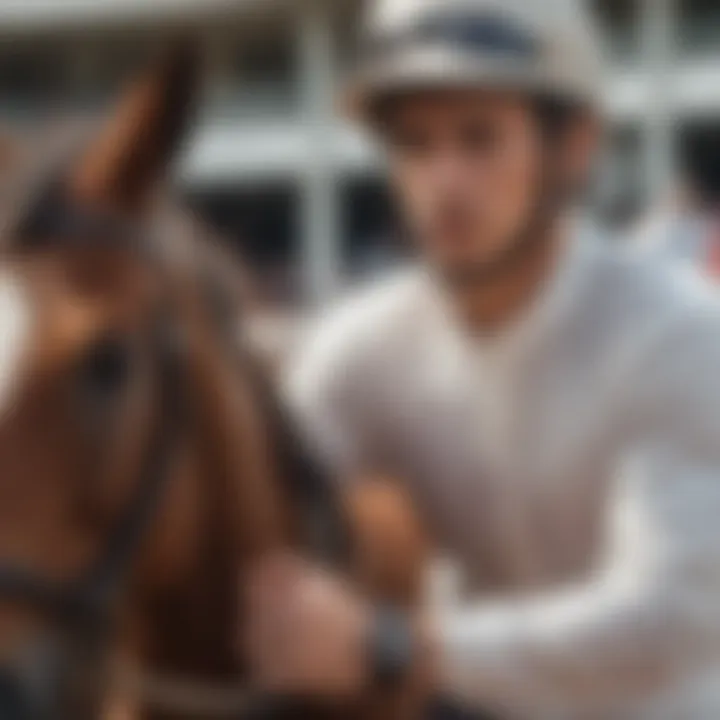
274	578
267	572
268	629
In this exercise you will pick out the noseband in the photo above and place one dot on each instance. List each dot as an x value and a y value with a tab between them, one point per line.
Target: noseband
89	595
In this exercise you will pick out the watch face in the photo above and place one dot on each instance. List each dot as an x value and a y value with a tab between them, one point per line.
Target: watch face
392	646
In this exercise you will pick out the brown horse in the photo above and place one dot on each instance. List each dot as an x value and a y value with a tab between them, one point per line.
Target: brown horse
145	462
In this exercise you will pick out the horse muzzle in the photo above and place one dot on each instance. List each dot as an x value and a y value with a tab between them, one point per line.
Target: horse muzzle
47	683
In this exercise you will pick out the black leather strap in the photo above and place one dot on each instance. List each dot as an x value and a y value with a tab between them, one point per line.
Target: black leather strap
392	646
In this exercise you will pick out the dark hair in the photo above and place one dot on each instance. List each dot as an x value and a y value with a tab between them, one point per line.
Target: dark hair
556	114
699	152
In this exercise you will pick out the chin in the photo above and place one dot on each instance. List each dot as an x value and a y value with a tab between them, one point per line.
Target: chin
461	273
465	271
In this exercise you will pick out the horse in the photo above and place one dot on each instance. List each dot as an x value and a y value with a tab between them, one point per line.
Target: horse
146	459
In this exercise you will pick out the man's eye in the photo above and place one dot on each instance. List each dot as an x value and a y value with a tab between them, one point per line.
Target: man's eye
411	144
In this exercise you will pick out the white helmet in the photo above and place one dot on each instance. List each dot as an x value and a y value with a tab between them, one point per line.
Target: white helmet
543	46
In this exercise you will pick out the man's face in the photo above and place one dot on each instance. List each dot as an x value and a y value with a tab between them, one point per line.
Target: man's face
467	167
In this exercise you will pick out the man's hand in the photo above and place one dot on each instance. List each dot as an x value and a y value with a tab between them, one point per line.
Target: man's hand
307	632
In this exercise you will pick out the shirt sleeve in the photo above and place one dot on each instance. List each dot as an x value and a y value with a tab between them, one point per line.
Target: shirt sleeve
650	617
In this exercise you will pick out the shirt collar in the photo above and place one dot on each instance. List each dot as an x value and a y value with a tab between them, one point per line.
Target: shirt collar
453	349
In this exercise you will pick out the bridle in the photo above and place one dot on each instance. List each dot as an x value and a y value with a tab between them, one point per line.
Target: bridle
84	606
90	594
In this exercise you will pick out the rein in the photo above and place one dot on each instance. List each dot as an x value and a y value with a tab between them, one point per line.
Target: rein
182	696
96	586
94	590
325	537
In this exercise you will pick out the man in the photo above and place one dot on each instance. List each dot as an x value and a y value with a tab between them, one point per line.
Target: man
552	403
688	230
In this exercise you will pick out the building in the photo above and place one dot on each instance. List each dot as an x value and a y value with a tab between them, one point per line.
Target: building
272	164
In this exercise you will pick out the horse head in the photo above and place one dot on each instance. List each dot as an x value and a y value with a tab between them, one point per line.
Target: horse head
135	472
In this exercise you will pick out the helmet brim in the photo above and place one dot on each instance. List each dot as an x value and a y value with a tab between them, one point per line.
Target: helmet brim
442	68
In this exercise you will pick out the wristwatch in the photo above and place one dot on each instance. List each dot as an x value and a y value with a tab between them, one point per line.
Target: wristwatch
392	646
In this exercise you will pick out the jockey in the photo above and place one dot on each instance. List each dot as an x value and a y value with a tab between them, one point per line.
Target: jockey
551	400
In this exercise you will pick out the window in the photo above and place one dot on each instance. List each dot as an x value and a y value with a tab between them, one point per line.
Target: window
105	64
372	239
620	190
699	159
262	224
618	21
259	75
699	23
33	79
73	76
347	23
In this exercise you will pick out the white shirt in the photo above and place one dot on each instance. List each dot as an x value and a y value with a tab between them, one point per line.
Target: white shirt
680	235
572	465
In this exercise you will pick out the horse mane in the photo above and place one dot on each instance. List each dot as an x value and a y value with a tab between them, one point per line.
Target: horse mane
305	480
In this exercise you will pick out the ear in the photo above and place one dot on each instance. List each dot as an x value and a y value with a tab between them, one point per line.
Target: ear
582	140
132	153
14	151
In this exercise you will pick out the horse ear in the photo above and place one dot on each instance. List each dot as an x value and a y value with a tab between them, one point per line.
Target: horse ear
131	154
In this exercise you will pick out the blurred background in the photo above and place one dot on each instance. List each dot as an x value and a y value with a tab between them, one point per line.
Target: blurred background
274	166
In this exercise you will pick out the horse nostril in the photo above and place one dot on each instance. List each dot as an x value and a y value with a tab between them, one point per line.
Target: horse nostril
106	367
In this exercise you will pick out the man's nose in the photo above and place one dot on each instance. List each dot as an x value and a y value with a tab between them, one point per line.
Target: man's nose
449	173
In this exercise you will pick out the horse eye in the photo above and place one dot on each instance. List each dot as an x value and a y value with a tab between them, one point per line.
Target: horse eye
106	367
